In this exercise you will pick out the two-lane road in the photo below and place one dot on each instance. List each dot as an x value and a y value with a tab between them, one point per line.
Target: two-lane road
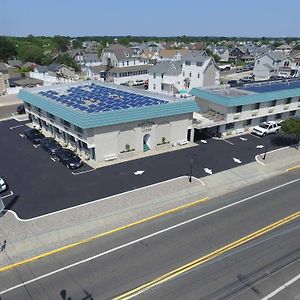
123	261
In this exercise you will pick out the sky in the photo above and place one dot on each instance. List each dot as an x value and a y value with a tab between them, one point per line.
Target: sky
254	18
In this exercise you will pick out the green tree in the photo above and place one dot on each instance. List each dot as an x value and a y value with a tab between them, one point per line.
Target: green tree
61	43
29	52
76	44
67	60
292	126
7	49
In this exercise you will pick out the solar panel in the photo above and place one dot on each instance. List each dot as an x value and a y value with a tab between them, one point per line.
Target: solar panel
271	87
91	98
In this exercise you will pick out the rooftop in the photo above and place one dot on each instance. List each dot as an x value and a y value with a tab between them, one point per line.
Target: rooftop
250	93
93	104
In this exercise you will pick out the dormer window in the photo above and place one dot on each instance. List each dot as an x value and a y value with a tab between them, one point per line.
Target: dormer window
199	64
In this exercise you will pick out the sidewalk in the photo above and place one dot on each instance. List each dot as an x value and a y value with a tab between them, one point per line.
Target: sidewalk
9	100
29	238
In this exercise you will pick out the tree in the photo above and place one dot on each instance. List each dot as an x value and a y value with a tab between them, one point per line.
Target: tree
61	43
292	126
7	49
29	52
67	60
76	44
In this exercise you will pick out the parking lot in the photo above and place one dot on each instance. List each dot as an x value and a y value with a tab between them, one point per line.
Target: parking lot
39	184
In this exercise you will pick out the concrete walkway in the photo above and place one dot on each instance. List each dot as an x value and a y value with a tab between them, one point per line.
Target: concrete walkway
32	237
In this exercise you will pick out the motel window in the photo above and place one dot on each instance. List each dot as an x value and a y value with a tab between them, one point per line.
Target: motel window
199	64
272	103
188	62
247	122
65	123
127	62
154	75
198	75
263	119
51	116
154	87
78	129
287	100
256	105
229	126
239	109
278	116
292	113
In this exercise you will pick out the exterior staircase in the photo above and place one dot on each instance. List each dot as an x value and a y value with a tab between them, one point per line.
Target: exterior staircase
146	147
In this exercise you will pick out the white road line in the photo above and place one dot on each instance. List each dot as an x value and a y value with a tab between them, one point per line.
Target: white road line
258	137
196	178
53	159
95	201
281	287
256	158
146	237
13	127
82	172
21	135
35	146
6	196
228	142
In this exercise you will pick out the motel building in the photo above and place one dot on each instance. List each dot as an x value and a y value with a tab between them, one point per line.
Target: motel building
102	121
227	111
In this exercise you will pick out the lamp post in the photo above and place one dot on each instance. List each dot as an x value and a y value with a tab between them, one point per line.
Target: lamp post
191	169
266	150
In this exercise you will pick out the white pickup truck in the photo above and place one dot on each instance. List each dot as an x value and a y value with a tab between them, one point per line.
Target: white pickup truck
266	128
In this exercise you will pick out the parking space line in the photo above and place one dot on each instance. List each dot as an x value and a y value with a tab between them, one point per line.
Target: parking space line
198	180
53	159
82	172
256	158
35	146
6	196
258	137
228	142
13	127
22	135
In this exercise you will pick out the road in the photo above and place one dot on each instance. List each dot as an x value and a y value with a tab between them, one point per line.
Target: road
41	185
7	111
120	262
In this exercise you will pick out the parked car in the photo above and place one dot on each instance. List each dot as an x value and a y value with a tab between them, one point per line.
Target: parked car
247	79
139	82
50	145
266	128
34	135
3	185
21	109
232	82
68	158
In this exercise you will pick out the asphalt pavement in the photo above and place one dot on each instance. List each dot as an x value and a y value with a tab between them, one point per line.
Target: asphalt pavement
40	185
116	263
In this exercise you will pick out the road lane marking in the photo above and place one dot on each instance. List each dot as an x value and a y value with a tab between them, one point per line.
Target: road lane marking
26	261
294	168
284	286
173	273
201	260
83	172
85	241
257	159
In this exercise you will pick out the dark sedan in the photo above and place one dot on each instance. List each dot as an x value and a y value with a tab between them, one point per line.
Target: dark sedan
50	145
69	158
21	109
34	135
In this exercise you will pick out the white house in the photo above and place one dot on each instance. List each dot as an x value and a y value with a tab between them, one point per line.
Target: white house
271	64
195	69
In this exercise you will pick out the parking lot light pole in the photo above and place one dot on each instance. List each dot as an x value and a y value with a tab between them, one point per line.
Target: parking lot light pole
266	150
191	169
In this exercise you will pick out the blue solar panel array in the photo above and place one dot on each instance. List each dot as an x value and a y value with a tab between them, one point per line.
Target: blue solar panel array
272	87
93	98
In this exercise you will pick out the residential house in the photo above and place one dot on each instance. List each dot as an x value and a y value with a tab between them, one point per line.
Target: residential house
172	55
97	72
295	55
15	63
287	49
240	53
4	76
195	69
271	64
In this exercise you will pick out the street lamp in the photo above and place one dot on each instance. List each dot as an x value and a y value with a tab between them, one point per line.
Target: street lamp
191	169
266	150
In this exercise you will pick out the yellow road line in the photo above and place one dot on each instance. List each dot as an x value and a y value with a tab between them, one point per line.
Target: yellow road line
293	168
67	247
195	263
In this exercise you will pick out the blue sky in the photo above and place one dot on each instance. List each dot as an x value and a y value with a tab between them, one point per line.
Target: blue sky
155	17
